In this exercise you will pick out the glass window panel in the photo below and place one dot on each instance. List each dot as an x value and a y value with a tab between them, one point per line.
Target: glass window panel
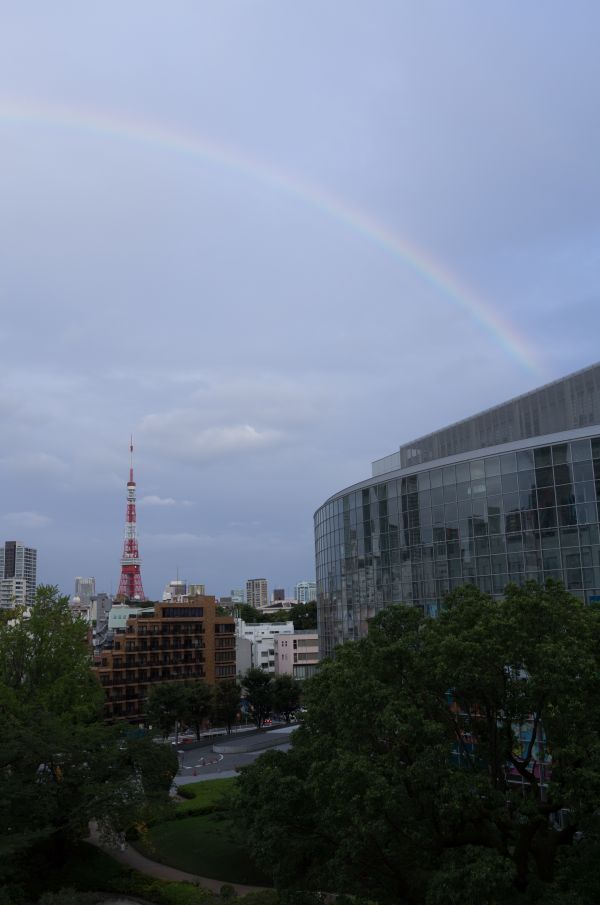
588	577
551	559
544	477
588	534
499	563
382	491
437	496
526	480
464	510
562	474
531	540
425	517
511	502
510	482
483	565
450	494
495	524
436	477
438	515
492	466
583	471
567	515
508	463
530	519
479	508
546	497
514	543
448	474
586	512
477	469
564	495
440	551
587	556
548	518
497	543
596	448
527	499
543	456
555	575
560	453
478	488
580	449
512	521
453	548
463	491
424	499
574	579
499	582
439	534
533	560
515	562
480	527
426	534
482	546
549	539
494	505
454	568
463	472
423	482
569	537
525	459
451	512
493	485
585	492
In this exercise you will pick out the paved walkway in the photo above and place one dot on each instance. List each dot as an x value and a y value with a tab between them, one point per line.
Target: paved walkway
132	858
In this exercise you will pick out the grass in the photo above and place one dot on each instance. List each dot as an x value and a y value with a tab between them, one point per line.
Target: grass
203	844
206	794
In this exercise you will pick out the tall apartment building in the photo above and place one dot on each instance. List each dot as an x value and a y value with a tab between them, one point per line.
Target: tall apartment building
180	640
18	574
306	591
256	592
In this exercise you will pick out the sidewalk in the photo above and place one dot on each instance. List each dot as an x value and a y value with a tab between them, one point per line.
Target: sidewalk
132	858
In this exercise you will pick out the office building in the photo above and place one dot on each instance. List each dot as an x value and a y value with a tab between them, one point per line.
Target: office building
256	592
504	496
18	574
306	591
173	642
278	594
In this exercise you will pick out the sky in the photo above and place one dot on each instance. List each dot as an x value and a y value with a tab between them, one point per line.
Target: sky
274	241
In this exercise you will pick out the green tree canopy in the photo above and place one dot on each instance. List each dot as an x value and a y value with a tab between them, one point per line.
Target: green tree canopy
166	706
445	760
286	693
226	702
258	693
60	765
197	704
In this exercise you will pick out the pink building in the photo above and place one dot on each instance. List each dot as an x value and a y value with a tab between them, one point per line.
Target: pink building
296	654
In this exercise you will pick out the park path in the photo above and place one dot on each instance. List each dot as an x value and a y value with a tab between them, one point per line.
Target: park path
132	858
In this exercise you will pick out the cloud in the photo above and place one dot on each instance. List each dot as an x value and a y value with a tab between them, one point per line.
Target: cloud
178	431
26	519
35	464
153	500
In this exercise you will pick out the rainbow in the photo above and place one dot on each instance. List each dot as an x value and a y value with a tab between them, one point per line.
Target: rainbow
173	139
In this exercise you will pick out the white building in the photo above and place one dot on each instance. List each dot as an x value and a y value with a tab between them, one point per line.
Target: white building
174	589
18	574
296	654
257	644
306	591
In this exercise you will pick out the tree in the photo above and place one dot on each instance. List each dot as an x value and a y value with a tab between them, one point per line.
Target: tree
197	704
286	692
421	773
256	686
304	616
166	706
60	765
226	702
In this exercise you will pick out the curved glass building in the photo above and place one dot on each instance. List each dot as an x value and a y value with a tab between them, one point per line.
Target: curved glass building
507	495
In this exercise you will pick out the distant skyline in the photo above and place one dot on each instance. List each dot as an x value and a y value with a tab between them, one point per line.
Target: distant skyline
274	242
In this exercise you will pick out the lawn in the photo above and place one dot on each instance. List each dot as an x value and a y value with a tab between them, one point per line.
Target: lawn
203	844
206	794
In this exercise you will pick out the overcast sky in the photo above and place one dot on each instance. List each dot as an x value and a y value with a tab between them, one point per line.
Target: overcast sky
275	240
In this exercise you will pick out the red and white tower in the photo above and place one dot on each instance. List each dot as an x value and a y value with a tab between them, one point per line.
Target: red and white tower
130	585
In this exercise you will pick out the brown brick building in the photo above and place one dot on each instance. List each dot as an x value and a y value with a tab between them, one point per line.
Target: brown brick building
180	640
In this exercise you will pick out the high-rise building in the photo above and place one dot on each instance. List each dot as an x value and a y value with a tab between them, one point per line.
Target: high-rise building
256	592
196	590
18	574
278	594
507	495
130	585
237	595
306	591
85	589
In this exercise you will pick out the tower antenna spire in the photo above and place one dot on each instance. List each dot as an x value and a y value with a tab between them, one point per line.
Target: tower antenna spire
130	585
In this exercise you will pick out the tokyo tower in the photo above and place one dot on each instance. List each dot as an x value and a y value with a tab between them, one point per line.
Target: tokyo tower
130	585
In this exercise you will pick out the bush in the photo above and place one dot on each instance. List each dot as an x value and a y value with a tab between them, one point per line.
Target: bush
71	897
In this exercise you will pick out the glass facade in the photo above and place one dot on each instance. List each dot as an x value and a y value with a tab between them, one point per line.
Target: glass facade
525	512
